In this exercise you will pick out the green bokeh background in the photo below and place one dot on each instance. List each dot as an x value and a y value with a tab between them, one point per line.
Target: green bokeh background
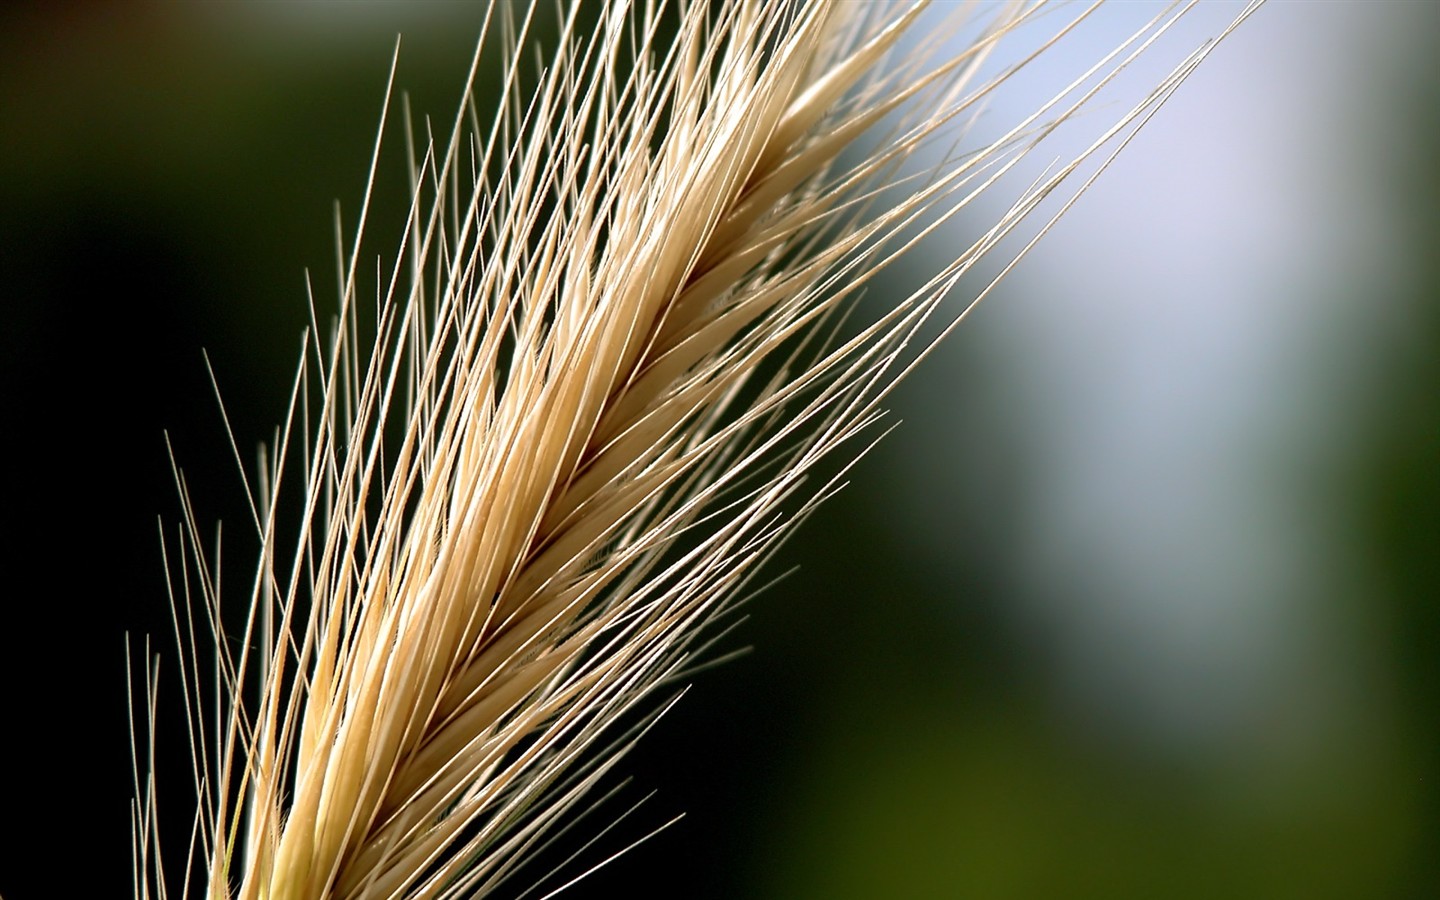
167	174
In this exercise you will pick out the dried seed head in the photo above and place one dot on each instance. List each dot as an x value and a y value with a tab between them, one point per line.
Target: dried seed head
606	363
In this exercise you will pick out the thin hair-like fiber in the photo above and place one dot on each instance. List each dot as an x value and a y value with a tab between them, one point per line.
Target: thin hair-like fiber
605	363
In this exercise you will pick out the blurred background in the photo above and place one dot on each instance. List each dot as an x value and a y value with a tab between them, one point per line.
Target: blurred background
1139	601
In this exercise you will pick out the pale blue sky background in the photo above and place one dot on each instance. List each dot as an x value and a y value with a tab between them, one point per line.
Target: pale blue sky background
1194	347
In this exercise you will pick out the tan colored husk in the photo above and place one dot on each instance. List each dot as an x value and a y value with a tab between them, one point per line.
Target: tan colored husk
602	374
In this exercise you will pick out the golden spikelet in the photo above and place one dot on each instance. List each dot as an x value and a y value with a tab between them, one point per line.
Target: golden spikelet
603	366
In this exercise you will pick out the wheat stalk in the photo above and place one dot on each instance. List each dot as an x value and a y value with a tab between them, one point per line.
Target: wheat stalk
603	367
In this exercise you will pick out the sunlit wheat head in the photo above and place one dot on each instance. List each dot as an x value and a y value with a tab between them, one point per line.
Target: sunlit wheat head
556	428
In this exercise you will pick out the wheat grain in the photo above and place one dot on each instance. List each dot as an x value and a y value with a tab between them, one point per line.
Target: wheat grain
605	363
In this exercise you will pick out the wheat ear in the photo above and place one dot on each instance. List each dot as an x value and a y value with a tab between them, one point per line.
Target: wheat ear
602	368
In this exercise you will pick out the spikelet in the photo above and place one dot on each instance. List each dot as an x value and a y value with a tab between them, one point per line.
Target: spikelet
602	370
